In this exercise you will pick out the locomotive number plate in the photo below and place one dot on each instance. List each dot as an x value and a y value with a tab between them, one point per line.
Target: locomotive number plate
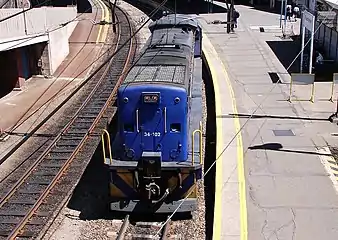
152	134
151	97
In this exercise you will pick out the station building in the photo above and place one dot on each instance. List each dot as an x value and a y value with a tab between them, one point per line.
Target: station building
32	43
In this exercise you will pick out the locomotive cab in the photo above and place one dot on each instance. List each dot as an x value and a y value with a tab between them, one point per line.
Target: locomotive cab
153	119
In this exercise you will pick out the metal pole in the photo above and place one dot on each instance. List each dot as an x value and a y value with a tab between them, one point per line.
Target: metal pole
228	18
24	17
311	47
286	3
175	12
113	15
337	108
232	14
302	50
281	13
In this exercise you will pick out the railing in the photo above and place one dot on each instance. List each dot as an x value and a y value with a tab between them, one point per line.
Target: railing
200	145
106	133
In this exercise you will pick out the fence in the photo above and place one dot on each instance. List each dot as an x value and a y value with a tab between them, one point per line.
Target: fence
303	79
327	39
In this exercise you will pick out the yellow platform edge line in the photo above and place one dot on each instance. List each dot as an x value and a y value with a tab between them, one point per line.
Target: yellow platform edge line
219	148
102	18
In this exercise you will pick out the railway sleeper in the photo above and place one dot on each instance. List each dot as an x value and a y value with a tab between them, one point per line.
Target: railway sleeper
87	115
69	137
46	173
63	150
16	220
81	126
24	234
65	143
56	158
39	181
22	213
22	201
77	131
104	96
94	106
84	120
90	111
53	165
99	99
25	191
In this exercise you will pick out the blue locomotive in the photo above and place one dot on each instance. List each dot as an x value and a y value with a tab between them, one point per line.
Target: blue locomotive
156	156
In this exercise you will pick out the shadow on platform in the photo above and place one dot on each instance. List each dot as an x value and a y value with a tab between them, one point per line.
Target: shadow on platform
279	147
256	116
286	51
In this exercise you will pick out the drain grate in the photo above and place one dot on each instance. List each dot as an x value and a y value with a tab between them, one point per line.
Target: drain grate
283	133
274	77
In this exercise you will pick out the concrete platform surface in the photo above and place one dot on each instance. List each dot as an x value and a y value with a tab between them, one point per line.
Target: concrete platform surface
274	180
85	44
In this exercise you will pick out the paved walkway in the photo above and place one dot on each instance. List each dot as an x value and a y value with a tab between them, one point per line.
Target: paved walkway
289	190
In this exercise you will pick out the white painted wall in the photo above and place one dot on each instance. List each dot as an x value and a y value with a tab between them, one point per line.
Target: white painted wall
34	21
43	22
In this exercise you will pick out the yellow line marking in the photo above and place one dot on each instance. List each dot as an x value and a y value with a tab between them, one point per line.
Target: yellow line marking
219	148
102	18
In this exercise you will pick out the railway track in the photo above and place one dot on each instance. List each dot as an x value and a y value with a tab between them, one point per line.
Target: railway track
142	230
26	207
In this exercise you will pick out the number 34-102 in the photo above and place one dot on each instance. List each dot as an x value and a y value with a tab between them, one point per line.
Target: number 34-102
152	134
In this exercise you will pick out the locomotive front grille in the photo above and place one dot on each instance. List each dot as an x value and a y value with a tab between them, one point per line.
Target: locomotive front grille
151	164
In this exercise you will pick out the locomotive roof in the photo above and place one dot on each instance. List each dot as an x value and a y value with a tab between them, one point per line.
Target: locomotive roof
167	58
172	74
171	36
169	22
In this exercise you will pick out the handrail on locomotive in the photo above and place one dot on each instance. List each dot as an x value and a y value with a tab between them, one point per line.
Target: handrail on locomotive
200	143
105	132
199	131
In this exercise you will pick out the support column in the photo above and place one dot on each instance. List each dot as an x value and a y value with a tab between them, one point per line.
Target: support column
44	61
20	79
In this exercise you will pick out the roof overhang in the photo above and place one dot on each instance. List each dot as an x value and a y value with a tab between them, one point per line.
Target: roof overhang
17	42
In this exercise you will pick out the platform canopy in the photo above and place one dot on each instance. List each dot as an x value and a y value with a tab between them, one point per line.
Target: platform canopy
332	3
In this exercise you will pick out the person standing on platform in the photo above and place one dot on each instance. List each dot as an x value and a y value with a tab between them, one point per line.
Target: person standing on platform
296	12
288	11
235	16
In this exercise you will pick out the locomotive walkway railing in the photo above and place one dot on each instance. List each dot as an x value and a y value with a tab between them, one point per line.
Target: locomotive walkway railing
106	133
200	145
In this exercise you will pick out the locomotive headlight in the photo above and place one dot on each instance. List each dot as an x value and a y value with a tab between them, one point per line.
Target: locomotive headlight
130	153
177	100
125	100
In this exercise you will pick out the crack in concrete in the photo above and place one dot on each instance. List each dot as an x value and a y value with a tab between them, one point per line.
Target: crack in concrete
294	223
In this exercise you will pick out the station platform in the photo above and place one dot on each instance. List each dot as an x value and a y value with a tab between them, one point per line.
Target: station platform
85	44
277	178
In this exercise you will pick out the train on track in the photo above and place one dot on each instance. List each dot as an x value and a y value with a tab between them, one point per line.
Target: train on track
155	159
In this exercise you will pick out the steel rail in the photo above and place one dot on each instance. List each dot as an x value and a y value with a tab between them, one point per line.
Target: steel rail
123	228
52	144
54	181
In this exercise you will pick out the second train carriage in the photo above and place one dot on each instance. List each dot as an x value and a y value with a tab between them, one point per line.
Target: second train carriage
153	164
